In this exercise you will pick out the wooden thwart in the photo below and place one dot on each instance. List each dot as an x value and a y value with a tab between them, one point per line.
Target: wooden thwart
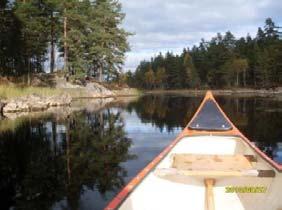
200	162
214	166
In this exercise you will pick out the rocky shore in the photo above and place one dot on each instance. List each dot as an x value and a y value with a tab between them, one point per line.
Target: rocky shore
34	102
62	111
67	93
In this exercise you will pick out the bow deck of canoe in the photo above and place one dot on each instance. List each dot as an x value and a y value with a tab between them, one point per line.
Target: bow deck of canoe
211	165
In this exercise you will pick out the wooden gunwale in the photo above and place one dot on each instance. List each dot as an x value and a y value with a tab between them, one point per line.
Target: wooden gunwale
234	132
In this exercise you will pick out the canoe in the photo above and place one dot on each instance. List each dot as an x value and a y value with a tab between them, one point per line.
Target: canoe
210	165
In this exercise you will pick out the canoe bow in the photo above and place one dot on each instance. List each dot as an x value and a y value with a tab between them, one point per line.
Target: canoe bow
196	127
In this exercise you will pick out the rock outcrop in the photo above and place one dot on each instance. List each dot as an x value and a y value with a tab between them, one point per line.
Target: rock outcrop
35	102
16	105
86	89
59	100
96	90
62	112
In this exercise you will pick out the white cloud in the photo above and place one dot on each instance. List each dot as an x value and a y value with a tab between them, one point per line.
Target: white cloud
162	25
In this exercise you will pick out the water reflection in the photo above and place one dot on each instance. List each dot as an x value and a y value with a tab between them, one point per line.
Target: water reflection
165	111
259	118
81	160
47	161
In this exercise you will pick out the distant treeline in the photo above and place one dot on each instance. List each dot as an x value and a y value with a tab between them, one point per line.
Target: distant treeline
224	61
87	34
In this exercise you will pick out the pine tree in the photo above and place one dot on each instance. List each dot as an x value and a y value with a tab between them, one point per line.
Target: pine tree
173	69
160	78
191	78
53	10
150	78
238	66
106	40
88	33
260	37
270	29
74	19
11	43
229	41
201	60
33	17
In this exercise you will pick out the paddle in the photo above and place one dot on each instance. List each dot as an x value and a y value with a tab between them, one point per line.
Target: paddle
214	173
209	183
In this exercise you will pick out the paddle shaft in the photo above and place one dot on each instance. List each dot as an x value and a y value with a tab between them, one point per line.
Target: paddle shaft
209	183
250	173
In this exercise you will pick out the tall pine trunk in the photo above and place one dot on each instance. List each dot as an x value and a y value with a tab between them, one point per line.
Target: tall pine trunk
28	72
244	77
254	77
52	55
100	72
237	79
65	44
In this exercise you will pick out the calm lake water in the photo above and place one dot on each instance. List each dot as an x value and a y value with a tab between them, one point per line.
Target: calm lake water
81	161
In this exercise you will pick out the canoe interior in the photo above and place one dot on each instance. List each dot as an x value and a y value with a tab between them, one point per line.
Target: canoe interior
178	191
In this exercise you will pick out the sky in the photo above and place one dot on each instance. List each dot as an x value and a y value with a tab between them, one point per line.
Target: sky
171	25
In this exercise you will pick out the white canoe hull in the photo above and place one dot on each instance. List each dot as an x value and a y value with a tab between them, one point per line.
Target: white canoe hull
211	165
187	192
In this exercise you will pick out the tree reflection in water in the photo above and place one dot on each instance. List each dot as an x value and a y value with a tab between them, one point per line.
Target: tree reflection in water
257	117
49	160
165	111
97	147
53	162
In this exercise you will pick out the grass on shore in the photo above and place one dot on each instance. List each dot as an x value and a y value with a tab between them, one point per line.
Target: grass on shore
12	91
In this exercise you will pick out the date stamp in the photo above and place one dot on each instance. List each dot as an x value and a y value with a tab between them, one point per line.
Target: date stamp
245	189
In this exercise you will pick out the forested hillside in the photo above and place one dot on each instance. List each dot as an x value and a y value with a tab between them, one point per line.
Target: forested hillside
224	61
86	34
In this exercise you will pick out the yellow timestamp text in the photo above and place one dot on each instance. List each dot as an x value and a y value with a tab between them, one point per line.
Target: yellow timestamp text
245	189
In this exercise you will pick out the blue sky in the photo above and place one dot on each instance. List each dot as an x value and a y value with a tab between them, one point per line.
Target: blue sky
162	25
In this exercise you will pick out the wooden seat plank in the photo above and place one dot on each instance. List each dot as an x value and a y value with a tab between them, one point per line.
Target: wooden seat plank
199	162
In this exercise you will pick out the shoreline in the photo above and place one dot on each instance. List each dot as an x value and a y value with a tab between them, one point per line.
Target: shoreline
65	97
244	91
15	100
11	120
